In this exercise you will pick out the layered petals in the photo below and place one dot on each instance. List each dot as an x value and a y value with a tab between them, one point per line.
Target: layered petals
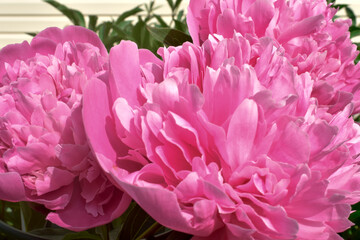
45	154
227	142
305	31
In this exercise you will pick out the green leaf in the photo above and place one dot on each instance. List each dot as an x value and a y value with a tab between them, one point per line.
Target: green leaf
25	216
340	6
51	233
13	233
136	223
114	234
81	235
123	29
11	213
177	4
178	236
127	14
169	37
33	34
172	235
33	219
180	26
75	16
150	231
104	30
161	21
356	117
150	7
120	32
355	217
350	13
103	231
140	34
180	16
92	22
354	31
119	222
171	4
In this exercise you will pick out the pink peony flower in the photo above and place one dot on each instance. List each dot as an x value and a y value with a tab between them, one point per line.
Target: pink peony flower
311	40
224	141
45	156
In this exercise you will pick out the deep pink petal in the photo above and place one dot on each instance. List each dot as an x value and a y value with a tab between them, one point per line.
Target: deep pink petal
76	218
11	187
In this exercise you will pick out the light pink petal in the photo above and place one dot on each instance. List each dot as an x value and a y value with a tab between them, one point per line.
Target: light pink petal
125	75
149	198
226	23
146	56
166	94
292	147
261	19
12	52
241	133
231	87
194	10
71	33
124	122
320	135
96	112
304	27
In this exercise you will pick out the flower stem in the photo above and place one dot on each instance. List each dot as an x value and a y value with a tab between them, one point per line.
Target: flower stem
150	231
2	211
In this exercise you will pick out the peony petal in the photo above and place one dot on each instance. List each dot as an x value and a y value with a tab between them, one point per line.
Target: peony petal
11	187
147	198
263	18
194	9
96	112
76	218
241	133
53	36
10	53
53	179
125	76
304	27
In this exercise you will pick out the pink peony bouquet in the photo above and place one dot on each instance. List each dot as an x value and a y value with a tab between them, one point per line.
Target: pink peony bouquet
247	133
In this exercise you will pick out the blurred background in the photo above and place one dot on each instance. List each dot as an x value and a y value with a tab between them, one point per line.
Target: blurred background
18	17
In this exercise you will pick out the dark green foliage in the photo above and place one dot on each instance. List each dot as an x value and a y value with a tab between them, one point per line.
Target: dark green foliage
354	232
354	29
168	36
142	30
75	16
21	221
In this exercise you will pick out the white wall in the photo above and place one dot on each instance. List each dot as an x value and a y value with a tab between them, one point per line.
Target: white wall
20	16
